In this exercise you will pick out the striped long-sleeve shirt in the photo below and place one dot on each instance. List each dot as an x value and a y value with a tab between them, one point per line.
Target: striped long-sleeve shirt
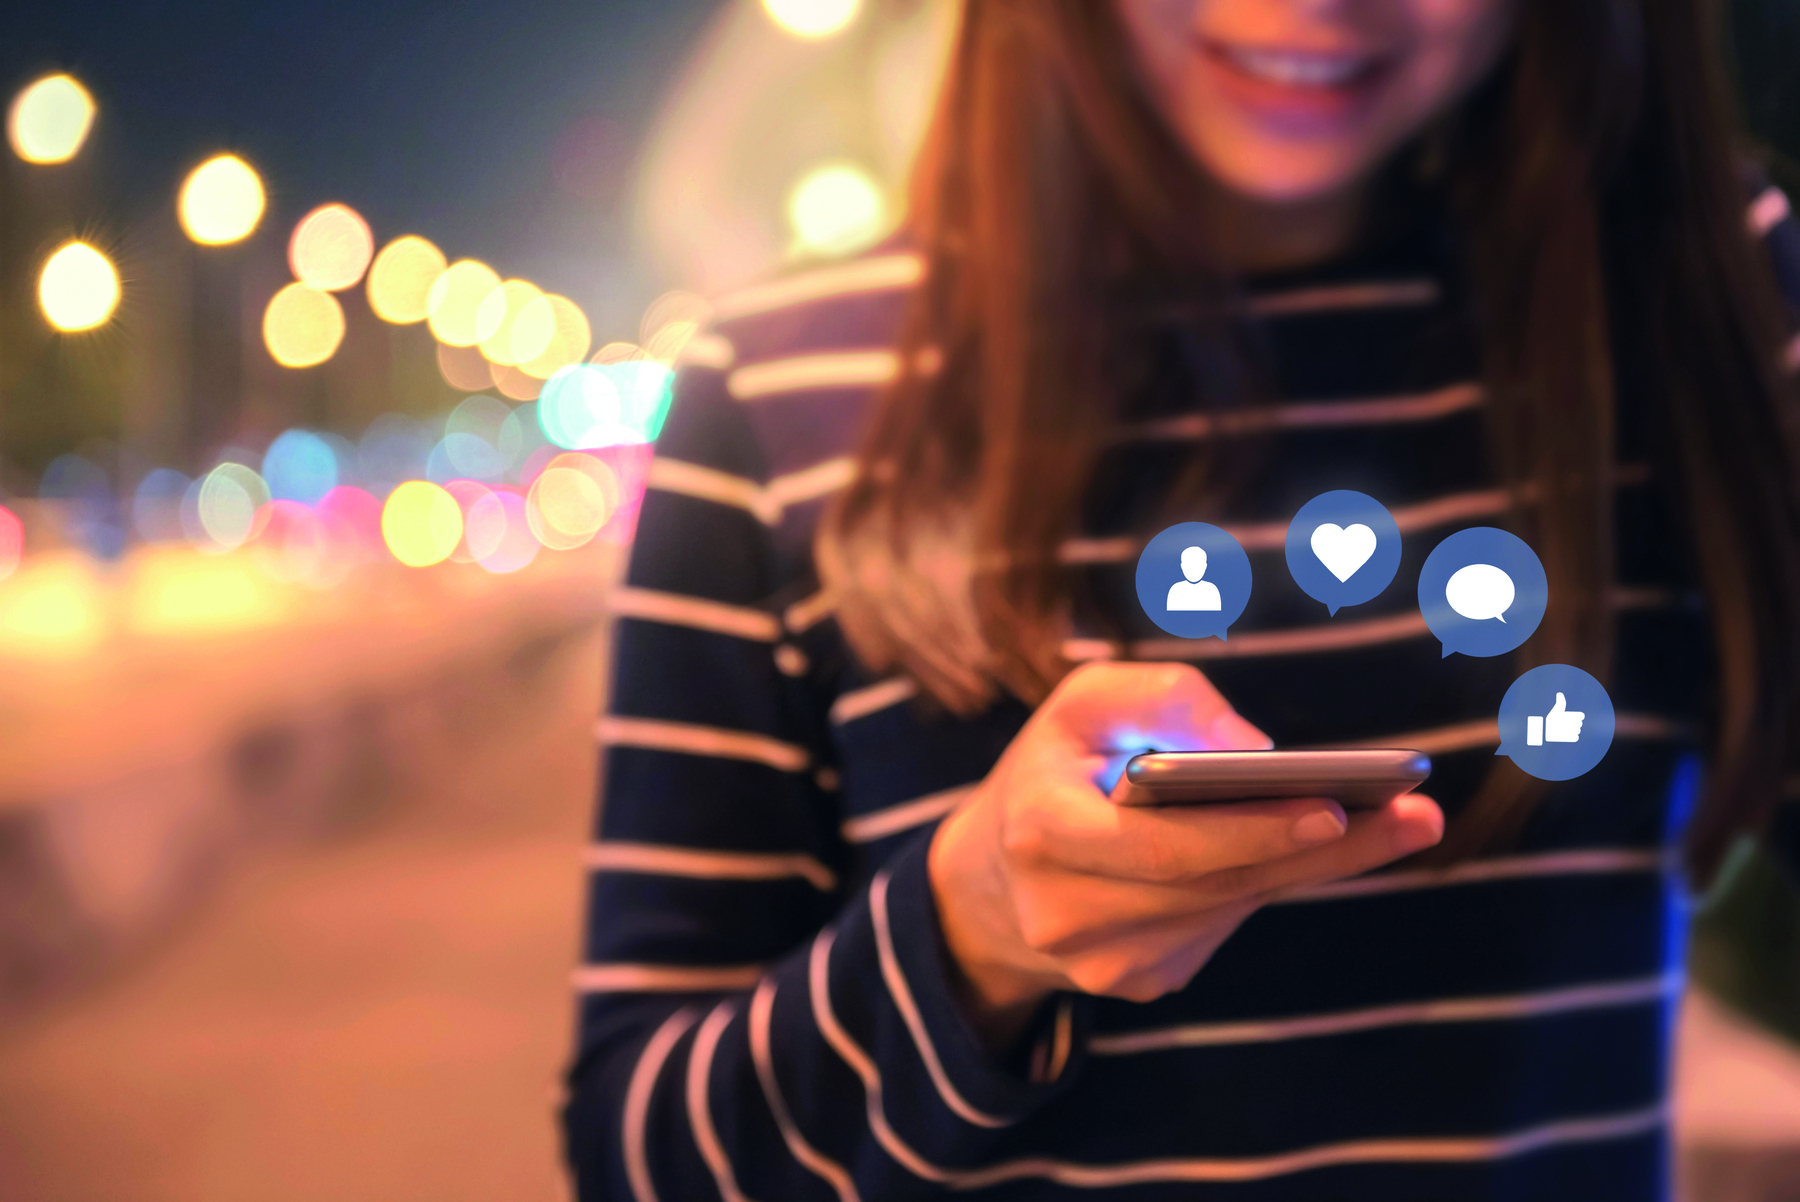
765	1013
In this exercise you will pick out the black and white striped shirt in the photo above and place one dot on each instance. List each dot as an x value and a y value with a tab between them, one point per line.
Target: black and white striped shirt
764	1007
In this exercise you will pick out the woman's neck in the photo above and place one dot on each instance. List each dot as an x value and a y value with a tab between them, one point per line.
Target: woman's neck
1255	237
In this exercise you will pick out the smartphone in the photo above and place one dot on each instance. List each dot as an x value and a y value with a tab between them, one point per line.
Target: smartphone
1354	779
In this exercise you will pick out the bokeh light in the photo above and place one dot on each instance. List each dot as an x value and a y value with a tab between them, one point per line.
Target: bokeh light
463	367
514	384
225	501
351	519
498	533
401	277
12	542
421	524
454	305
836	209
519	321
568	343
172	592
302	326
467	493
53	608
222	201
300	466
331	248
156	506
570	501
811	20
602	405
78	289
50	119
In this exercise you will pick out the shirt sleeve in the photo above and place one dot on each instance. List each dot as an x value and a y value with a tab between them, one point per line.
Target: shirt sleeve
751	1026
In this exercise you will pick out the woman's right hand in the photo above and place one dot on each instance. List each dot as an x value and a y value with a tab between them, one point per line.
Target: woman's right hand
1043	883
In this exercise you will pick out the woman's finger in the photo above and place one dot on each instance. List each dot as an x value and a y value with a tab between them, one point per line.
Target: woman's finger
1070	827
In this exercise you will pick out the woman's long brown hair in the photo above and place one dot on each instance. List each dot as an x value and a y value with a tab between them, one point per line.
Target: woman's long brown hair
1596	185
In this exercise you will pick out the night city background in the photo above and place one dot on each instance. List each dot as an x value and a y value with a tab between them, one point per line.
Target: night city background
304	549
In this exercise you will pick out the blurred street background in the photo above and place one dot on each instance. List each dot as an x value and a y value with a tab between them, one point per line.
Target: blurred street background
333	343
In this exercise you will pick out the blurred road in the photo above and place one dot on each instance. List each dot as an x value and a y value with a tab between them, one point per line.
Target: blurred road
381	1016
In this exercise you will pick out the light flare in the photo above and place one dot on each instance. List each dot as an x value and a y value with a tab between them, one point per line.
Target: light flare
50	120
78	288
221	201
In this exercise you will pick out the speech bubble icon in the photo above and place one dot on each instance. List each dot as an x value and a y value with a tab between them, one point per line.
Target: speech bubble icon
1193	580
1479	592
1473	578
1556	722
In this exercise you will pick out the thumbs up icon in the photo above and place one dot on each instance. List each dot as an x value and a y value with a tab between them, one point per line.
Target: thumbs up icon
1560	725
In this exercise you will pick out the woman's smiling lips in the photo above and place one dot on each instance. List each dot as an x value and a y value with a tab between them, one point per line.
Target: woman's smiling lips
1294	89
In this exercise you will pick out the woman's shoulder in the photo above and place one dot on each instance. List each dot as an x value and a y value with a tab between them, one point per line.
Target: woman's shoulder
790	364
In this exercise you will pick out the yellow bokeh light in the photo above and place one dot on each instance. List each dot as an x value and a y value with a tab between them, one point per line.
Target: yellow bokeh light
568	343
331	248
836	209
222	201
514	384
53	607
421	524
302	326
812	19
50	119
401	278
567	506
172	591
79	288
453	306
521	322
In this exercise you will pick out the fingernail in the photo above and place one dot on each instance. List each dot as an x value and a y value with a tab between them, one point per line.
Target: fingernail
1320	826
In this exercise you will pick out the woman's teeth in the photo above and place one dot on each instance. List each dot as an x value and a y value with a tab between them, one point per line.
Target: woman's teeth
1298	70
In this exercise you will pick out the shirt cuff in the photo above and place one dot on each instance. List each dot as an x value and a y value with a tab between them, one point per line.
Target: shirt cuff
915	964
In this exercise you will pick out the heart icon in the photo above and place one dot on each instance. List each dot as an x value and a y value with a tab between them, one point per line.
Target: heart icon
1342	550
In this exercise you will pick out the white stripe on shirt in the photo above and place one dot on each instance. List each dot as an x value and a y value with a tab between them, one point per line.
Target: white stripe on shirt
762	1007
699	1102
1429	1150
766	503
657	859
1372	1151
882	273
1326	298
891	820
803	615
902	996
1607	995
1293	415
1271	536
696	613
810	373
637	1100
870	699
1599	861
688	739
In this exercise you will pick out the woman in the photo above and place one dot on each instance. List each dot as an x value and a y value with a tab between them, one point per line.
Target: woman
865	923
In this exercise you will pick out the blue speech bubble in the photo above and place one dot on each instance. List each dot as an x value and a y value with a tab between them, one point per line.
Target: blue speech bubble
1193	580
1343	548
1482	591
1556	722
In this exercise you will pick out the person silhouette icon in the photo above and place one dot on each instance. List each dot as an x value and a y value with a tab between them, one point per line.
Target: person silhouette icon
1194	593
